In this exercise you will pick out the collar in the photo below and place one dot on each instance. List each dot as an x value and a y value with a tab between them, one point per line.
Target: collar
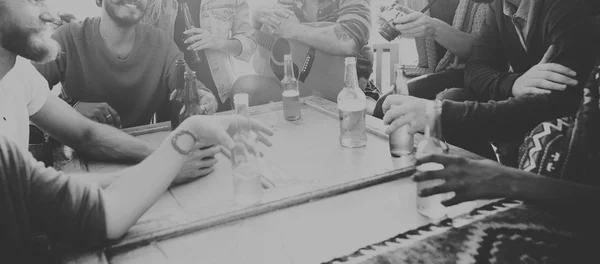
522	11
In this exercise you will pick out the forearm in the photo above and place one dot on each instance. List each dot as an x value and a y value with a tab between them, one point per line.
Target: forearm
232	47
108	143
509	119
147	180
534	188
454	40
328	37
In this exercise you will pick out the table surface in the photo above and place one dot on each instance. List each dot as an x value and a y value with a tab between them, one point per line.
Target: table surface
321	201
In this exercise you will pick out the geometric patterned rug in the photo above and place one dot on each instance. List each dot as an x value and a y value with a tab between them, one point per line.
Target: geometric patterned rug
502	232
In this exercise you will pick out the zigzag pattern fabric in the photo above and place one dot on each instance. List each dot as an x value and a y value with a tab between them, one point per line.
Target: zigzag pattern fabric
502	232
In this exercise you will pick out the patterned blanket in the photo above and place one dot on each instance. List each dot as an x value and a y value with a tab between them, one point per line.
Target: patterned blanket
502	232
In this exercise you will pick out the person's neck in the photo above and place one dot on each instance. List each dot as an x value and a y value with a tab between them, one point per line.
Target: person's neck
113	34
7	62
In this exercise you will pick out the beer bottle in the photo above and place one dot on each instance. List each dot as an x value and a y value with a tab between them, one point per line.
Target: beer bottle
191	98
432	143
351	104
401	142
194	57
290	95
176	98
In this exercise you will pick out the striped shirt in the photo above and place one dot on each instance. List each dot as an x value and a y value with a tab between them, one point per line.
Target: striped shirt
353	15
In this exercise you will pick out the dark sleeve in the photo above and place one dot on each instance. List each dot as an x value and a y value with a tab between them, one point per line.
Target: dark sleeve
486	72
355	19
42	199
54	71
571	33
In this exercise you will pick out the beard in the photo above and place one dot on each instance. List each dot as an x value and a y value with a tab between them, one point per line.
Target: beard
127	20
31	42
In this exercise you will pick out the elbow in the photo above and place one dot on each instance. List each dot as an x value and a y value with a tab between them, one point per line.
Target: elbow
349	49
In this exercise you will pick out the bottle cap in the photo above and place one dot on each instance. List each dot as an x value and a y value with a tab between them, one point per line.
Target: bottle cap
240	98
287	57
350	60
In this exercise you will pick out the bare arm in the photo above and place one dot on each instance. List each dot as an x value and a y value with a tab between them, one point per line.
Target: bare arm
100	141
150	179
231	46
344	37
328	37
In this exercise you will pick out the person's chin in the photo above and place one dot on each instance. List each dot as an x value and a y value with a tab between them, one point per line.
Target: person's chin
128	21
41	49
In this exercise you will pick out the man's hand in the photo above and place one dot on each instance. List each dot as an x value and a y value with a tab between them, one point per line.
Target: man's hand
403	110
218	130
544	78
281	21
199	164
468	179
415	24
201	39
100	112
63	18
208	101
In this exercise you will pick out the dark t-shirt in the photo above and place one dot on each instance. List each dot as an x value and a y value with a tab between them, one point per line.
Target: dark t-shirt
37	201
443	10
135	87
203	73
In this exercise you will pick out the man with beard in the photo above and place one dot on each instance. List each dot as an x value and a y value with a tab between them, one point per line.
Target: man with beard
113	69
545	82
37	202
25	97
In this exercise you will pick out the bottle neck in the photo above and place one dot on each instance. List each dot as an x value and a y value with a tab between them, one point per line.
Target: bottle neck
288	69
191	92
433	129
350	76
180	70
400	82
187	16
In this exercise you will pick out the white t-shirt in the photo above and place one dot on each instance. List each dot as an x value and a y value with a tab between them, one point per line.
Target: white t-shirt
23	91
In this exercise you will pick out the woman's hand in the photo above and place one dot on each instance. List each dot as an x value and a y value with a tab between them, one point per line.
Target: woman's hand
415	24
200	39
219	130
468	179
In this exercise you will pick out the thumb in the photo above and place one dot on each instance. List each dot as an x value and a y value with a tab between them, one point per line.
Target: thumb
547	55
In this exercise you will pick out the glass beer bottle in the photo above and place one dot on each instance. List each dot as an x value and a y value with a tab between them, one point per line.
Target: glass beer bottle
193	58
401	142
432	143
290	95
176	98
247	186
351	104
191	98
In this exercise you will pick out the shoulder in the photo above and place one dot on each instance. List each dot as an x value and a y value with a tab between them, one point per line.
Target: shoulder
24	67
34	85
75	30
